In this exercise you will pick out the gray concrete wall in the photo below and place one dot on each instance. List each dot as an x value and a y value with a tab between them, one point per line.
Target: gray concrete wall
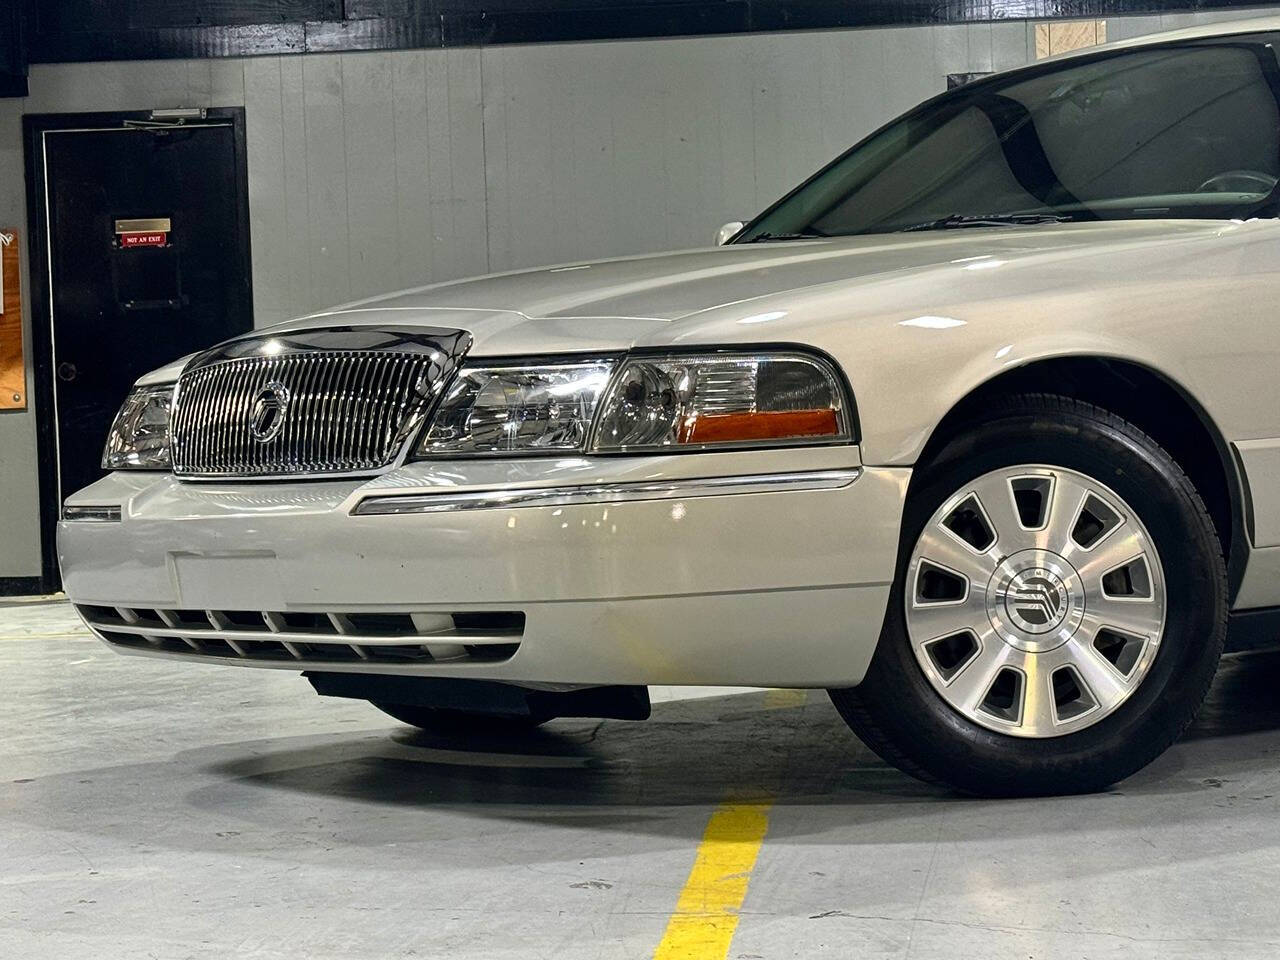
372	171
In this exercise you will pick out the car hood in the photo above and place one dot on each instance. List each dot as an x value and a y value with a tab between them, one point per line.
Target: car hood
662	298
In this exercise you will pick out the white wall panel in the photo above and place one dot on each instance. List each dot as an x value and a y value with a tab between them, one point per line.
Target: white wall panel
1125	28
289	266
265	130
416	241
456	142
369	129
325	151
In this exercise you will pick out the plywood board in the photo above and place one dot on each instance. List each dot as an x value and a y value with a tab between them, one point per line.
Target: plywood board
1065	36
13	378
1044	47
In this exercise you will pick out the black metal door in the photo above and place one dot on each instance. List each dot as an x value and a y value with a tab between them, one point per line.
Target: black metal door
148	252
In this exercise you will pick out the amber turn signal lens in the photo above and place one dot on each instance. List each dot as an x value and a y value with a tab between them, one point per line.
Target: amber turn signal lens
776	425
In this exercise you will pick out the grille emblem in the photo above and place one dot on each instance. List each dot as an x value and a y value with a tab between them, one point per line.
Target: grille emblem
267	418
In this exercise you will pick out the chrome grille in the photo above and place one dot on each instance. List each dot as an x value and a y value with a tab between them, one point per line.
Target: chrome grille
339	411
344	414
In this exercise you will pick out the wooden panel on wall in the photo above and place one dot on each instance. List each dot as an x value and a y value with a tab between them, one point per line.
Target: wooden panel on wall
1063	37
13	377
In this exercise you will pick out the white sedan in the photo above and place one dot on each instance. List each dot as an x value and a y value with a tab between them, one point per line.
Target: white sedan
978	429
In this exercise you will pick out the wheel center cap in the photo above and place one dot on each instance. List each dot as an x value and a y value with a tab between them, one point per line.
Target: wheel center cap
1036	600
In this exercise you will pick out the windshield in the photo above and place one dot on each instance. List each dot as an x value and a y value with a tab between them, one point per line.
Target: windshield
1181	131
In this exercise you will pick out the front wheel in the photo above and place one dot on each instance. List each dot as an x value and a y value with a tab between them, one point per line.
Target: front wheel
1058	612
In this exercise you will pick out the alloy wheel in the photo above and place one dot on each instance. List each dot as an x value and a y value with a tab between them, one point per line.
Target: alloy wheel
1035	601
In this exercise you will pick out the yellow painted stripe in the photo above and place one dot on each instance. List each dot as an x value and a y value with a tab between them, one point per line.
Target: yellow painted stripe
707	911
782	699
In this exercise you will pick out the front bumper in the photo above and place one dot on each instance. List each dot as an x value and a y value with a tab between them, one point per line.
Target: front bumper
688	583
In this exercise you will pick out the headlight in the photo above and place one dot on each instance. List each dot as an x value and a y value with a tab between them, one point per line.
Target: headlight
139	438
525	409
698	402
722	400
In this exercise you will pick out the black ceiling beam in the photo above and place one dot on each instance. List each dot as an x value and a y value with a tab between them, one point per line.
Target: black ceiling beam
77	30
13	50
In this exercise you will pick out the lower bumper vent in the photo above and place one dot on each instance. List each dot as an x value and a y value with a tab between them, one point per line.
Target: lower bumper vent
312	637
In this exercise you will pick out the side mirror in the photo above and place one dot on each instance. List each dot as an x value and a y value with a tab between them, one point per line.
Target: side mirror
728	232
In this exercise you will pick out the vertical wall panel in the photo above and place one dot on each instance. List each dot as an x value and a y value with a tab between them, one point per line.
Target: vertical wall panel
199	82
632	112
518	150
264	134
599	150
414	229
461	129
1179	21
951	49
785	112
371	146
326	165
698	113
733	166
1012	44
855	101
291	265
980	58
496	125
455	163
226	82
1125	28
911	68
581	154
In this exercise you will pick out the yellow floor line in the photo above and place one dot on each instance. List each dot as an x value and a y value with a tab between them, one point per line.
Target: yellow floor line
782	699
707	912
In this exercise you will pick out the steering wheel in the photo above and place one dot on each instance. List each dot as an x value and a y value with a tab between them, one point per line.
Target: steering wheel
1239	181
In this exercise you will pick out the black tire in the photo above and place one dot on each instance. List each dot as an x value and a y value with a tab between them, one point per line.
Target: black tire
898	713
460	724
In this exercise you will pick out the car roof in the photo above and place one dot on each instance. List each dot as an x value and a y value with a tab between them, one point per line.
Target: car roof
1220	28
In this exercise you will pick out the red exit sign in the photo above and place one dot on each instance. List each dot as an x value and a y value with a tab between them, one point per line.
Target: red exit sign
144	239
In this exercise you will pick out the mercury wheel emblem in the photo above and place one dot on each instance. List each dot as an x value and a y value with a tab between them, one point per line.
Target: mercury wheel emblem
1036	600
267	417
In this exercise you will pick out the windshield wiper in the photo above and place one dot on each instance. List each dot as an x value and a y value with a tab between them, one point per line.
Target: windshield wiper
808	233
986	220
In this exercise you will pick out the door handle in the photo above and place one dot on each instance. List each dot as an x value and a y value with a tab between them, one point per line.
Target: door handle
67	372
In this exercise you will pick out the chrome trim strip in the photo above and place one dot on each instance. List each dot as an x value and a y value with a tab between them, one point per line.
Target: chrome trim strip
606	493
92	514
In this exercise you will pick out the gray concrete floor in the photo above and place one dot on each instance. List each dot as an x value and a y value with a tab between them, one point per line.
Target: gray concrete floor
156	810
